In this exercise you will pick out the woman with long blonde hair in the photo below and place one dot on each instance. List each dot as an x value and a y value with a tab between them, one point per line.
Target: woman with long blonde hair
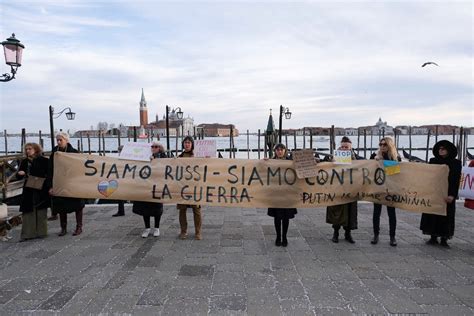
387	151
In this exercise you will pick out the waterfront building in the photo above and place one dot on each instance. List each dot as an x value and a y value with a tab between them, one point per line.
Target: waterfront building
218	130
380	128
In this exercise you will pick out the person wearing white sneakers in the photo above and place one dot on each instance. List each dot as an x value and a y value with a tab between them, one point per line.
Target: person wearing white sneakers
151	209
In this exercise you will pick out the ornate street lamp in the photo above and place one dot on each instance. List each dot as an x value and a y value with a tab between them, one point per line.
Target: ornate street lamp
13	51
70	115
287	116
179	116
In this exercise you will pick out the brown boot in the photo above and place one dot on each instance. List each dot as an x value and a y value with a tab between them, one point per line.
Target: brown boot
63	223
183	222
197	222
78	230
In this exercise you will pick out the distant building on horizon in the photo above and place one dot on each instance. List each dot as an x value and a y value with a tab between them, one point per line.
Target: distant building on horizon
218	130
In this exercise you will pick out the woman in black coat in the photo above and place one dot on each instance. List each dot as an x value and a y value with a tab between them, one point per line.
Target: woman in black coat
151	209
34	201
387	151
444	153
64	205
281	216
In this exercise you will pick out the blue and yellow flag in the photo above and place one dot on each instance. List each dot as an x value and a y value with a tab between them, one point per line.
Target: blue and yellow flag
391	167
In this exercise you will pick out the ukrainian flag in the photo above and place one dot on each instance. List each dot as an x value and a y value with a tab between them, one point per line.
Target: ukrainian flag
391	167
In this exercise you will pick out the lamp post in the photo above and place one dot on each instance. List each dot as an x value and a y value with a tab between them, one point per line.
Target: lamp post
179	115
13	51
287	116
69	115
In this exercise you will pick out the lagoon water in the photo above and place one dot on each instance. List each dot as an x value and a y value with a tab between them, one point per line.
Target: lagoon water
321	143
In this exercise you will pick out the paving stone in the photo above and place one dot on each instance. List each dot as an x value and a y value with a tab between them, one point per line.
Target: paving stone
196	271
297	306
262	301
184	306
228	283
219	303
452	310
464	293
42	254
59	299
7	295
433	297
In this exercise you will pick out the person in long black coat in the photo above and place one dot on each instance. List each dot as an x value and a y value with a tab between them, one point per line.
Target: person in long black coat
151	209
344	215
34	202
64	205
281	216
436	226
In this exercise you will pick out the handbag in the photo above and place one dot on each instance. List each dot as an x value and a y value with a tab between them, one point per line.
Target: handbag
34	182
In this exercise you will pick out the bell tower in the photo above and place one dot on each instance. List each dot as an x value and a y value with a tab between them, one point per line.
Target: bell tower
143	111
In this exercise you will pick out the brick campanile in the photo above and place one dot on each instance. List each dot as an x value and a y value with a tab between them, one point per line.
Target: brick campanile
143	111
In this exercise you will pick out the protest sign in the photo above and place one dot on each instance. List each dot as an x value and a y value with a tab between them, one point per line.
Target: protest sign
136	151
466	185
305	164
205	148
250	183
343	157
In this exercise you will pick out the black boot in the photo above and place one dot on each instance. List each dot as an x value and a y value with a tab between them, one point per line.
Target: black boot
335	236
393	241
348	237
277	223
444	242
433	240
63	223
375	240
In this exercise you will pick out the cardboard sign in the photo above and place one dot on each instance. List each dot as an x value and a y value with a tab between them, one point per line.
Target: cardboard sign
205	148
342	157
466	185
305	164
249	182
136	151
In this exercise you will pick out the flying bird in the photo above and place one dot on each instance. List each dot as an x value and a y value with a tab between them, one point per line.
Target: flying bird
429	63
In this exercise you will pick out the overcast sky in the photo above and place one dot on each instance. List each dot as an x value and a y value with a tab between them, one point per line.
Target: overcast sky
346	63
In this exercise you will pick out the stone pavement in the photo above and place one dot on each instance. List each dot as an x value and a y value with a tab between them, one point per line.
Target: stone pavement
236	269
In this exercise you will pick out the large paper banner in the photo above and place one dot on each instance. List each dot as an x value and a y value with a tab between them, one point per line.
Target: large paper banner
466	186
250	183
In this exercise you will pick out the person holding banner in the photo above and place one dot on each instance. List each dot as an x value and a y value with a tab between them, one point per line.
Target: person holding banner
188	151
387	151
64	205
344	215
281	216
436	226
151	209
34	199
